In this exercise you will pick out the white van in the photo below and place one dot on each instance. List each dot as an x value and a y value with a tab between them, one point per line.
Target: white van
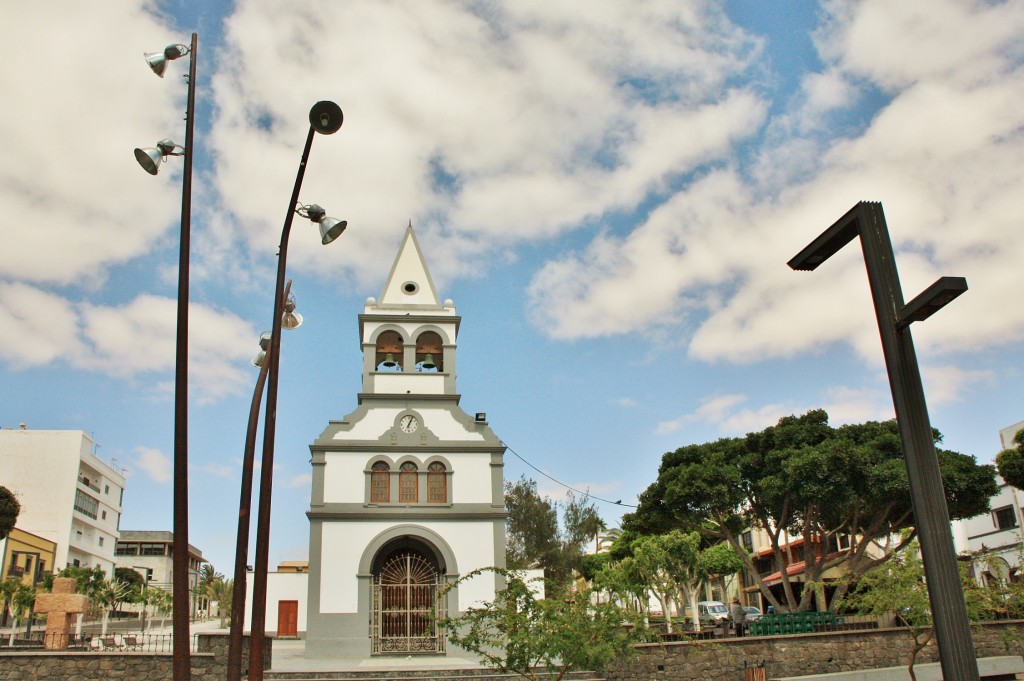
712	613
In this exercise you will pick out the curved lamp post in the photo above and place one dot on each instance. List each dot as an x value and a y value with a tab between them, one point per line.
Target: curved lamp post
292	320
945	593
324	118
150	160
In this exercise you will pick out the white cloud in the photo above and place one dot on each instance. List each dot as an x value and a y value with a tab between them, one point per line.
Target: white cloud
75	201
39	328
154	463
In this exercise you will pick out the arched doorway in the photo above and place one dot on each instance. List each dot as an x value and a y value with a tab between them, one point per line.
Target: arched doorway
407	581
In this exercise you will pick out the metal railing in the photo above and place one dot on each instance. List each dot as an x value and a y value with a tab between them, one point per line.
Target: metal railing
111	643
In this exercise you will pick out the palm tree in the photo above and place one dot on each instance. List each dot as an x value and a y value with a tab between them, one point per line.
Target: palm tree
207	576
221	591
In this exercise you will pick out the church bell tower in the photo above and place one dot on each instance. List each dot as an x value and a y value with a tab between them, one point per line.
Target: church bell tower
408	489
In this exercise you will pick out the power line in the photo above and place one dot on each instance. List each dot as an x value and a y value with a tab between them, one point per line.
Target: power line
587	495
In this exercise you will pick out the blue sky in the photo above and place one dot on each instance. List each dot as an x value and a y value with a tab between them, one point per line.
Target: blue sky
610	198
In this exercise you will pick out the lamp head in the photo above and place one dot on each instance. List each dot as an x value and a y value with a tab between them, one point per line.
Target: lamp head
331	229
326	118
290	319
150	157
158	60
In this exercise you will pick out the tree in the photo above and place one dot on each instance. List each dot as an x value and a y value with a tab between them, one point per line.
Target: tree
535	538
531	526
668	564
9	510
1010	462
161	601
803	477
88	582
221	591
624	584
22	600
7	589
517	633
112	593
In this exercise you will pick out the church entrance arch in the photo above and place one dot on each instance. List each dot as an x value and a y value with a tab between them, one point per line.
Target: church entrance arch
407	583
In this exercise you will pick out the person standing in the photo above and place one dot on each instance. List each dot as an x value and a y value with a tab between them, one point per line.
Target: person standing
739	616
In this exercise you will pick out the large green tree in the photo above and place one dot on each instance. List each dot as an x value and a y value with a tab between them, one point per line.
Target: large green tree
9	510
804	477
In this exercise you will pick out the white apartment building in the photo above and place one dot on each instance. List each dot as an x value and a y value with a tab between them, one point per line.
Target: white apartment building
67	494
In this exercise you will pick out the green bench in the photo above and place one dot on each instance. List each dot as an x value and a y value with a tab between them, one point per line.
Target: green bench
782	623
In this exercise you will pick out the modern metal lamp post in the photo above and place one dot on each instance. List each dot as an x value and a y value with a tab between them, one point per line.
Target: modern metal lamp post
150	160
945	593
324	118
292	320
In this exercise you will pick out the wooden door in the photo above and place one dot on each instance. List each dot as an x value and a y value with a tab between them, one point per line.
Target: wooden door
287	619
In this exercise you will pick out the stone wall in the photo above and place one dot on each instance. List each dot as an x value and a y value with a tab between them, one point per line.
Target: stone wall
800	654
209	663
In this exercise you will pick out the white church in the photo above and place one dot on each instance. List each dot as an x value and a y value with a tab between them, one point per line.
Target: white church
407	492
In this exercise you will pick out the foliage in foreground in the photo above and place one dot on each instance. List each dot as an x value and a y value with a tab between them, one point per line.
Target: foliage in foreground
899	587
520	634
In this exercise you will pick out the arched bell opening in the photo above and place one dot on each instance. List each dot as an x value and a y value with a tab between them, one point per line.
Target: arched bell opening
429	352
389	351
408	580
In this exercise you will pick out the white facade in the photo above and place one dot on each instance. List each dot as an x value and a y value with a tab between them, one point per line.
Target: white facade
407	492
994	536
67	494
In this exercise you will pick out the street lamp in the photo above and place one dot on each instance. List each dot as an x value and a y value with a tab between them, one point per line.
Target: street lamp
325	118
945	593
180	588
292	320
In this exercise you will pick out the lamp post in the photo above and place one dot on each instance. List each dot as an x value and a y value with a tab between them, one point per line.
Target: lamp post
292	320
180	618
945	593
325	118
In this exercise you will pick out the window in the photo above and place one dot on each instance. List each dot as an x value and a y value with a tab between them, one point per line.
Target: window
152	550
103	515
380	483
437	484
747	539
429	352
101	541
1005	517
389	351
129	549
85	504
106	489
408	493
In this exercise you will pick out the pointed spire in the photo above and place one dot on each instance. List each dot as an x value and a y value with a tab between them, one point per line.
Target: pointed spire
409	283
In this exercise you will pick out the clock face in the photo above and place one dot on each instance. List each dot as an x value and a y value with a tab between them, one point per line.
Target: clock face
409	423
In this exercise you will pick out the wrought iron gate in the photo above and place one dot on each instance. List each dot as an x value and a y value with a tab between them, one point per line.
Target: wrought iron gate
406	606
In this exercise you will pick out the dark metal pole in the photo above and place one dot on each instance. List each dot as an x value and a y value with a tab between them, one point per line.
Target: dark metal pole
242	545
259	582
945	591
182	670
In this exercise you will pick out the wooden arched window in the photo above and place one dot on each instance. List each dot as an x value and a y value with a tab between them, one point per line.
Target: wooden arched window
429	352
408	484
389	351
380	483
437	483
